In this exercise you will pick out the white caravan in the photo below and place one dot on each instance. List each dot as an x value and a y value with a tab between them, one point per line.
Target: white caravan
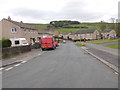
18	42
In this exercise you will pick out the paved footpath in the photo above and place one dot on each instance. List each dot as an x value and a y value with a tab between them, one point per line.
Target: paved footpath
106	53
102	48
21	57
111	43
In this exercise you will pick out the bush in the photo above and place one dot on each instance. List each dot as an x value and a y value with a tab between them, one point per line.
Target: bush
5	43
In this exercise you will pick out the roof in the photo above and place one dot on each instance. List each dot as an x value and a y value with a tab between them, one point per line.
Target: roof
85	31
44	32
72	33
21	24
106	31
66	33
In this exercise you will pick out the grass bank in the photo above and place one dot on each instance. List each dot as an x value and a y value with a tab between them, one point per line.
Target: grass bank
62	30
103	41
80	44
115	46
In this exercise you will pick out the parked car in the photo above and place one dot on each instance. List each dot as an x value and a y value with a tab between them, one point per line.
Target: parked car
64	41
36	45
57	44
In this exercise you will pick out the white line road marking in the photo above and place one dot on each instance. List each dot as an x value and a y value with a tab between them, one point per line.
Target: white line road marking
40	54
17	65
23	61
1	69
8	68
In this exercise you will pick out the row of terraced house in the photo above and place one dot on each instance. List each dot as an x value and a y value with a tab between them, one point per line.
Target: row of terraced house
13	29
91	34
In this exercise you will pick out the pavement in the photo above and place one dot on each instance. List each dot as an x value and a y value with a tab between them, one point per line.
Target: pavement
68	66
106	55
103	48
24	56
111	43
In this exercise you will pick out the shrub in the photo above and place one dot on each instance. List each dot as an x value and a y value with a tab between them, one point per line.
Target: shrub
6	43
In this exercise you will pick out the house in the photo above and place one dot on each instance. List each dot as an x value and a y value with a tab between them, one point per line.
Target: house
14	29
0	30
109	34
87	34
52	32
73	36
44	33
65	35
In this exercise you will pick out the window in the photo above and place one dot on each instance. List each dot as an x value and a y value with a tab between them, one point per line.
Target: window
17	42
13	30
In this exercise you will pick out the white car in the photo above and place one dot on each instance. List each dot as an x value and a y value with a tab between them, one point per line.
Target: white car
64	41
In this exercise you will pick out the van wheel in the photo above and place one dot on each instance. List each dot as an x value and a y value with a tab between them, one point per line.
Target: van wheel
43	49
53	47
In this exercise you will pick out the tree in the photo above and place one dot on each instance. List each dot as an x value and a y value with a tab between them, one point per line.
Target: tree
63	23
117	29
102	26
113	20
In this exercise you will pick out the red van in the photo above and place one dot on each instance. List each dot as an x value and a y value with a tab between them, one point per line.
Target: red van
48	43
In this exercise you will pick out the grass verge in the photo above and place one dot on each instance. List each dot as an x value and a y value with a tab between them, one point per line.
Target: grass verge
80	44
115	46
103	41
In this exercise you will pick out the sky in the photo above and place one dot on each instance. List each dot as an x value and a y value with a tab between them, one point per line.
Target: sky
44	11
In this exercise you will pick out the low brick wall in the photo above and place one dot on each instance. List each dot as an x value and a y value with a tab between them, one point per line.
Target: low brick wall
12	51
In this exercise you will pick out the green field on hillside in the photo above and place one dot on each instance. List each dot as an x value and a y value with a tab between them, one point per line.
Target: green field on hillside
61	30
81	25
40	26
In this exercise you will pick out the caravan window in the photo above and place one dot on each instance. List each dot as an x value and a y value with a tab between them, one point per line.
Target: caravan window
17	42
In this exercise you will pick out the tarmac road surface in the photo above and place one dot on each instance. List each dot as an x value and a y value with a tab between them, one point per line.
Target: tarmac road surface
66	67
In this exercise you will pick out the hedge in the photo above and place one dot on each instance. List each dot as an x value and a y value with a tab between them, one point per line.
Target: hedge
5	43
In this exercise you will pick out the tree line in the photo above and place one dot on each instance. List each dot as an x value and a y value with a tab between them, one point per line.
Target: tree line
64	23
110	26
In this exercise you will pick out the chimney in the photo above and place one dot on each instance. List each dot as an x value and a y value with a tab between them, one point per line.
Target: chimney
21	21
9	18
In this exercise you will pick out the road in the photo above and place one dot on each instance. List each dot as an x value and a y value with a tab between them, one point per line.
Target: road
66	67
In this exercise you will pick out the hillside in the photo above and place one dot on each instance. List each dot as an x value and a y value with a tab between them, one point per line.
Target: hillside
70	28
75	27
40	26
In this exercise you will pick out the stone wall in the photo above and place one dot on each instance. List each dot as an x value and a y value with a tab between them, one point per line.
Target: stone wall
13	51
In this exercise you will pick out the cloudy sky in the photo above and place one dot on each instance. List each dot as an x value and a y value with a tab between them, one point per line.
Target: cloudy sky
44	11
